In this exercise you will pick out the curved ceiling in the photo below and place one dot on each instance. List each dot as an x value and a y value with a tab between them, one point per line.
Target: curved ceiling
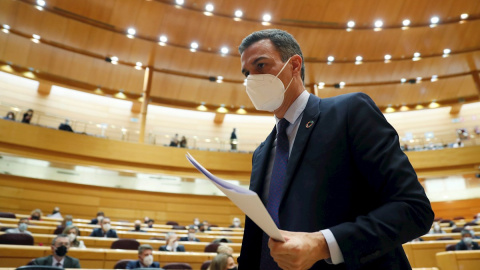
77	36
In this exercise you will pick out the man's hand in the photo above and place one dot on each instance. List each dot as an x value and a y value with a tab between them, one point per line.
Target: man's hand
299	251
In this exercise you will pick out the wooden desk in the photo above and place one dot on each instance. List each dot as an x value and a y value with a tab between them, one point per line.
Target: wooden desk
459	260
433	237
422	254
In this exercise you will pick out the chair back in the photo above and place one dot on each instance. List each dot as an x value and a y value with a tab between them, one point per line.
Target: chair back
130	244
205	265
172	223
39	267
16	239
212	247
122	264
59	230
457	230
7	215
182	266
445	238
451	247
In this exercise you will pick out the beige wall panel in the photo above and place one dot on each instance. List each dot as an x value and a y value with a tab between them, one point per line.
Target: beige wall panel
17	50
40	56
8	12
100	72
54	27
120	46
76	34
27	18
79	69
60	62
140	51
124	13
99	41
155	11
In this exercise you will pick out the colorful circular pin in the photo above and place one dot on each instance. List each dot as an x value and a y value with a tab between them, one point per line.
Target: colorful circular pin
309	124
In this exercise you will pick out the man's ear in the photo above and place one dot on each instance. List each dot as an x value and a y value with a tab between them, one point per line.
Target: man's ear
297	64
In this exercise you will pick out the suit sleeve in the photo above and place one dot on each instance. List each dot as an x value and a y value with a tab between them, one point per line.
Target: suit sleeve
403	212
76	263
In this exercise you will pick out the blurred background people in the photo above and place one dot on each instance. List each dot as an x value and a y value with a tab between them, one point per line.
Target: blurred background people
36	214
10	116
137	226
105	230
172	243
223	262
59	258
99	217
22	227
467	242
145	258
73	232
27	117
191	235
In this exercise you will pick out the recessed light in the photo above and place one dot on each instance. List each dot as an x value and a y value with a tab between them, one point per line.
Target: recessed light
351	24
464	16
41	3
238	13
179	2
224	50
163	38
267	17
434	20
330	58
387	57
209	7
378	23
447	51
131	31
406	22
194	45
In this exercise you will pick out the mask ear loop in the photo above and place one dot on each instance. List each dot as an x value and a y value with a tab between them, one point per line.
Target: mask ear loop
283	67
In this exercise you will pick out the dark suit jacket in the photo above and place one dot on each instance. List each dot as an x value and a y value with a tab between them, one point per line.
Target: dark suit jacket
180	248
69	262
186	239
136	264
461	246
345	173
98	232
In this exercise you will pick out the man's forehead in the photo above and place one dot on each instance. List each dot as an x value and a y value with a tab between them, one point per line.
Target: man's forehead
261	48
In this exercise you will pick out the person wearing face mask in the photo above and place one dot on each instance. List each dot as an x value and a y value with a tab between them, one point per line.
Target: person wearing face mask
472	231
72	232
55	213
331	173
99	217
60	245
105	230
36	214
172	243
137	225
436	229
191	235
22	227
223	261
467	242
145	258
236	223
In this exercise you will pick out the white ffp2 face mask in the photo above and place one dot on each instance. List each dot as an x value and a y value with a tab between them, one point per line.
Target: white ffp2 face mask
267	91
148	260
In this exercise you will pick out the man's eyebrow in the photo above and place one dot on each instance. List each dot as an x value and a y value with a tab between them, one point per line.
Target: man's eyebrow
254	62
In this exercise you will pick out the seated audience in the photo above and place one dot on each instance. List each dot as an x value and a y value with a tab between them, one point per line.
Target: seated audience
223	262
466	243
137	225
22	227
172	243
236	223
196	222
436	229
191	235
67	221
59	248
55	213
36	214
472	232
145	258
73	232
10	116
183	142
150	223
174	141
99	217
105	229
477	218
27	117
146	219
205	226
65	126
222	248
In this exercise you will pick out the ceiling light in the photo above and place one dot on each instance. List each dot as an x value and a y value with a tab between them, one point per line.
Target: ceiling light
378	23
389	109
222	109
131	31
419	79
404	108
120	94
387	58
447	51
193	46
209	7
402	80
419	107
241	110
138	65
464	16
41	3
351	24
114	58
219	79
179	2
224	50
202	107
163	38
267	17
330	58
36	36
238	13
245	82
433	105
406	22
342	84
359	58
434	78
416	56
321	85
6	26
434	20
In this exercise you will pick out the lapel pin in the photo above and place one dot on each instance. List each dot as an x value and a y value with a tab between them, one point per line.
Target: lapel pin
309	124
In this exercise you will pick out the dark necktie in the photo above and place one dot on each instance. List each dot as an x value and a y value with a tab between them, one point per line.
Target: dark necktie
59	264
277	182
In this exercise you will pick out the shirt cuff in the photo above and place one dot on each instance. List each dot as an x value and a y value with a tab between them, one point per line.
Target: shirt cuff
336	255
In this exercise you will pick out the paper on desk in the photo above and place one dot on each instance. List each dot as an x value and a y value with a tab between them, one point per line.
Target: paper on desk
247	200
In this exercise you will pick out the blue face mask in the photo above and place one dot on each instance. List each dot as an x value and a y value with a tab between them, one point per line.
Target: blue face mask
69	223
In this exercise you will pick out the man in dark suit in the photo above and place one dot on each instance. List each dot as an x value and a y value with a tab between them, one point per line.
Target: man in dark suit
172	243
467	242
105	229
191	235
145	258
99	217
334	179
59	248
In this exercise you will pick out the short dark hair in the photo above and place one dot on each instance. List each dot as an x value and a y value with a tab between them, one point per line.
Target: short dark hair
58	236
465	232
284	42
141	248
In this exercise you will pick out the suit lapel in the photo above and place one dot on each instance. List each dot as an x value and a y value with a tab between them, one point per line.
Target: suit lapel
50	260
261	163
310	118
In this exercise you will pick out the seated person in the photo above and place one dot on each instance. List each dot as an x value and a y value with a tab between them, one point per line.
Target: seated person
150	223
100	216
72	232
65	126
10	116
472	232
145	258
59	248
191	235
223	248
137	225
105	229
27	117
223	262
67	221
55	213
196	222
146	219
205	226
436	229
36	214
235	223
466	243
22	227
477	218
172	244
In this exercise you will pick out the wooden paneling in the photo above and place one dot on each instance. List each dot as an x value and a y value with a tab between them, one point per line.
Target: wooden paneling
459	260
422	254
451	209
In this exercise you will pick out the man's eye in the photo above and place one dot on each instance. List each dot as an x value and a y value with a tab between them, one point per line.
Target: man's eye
246	74
260	65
